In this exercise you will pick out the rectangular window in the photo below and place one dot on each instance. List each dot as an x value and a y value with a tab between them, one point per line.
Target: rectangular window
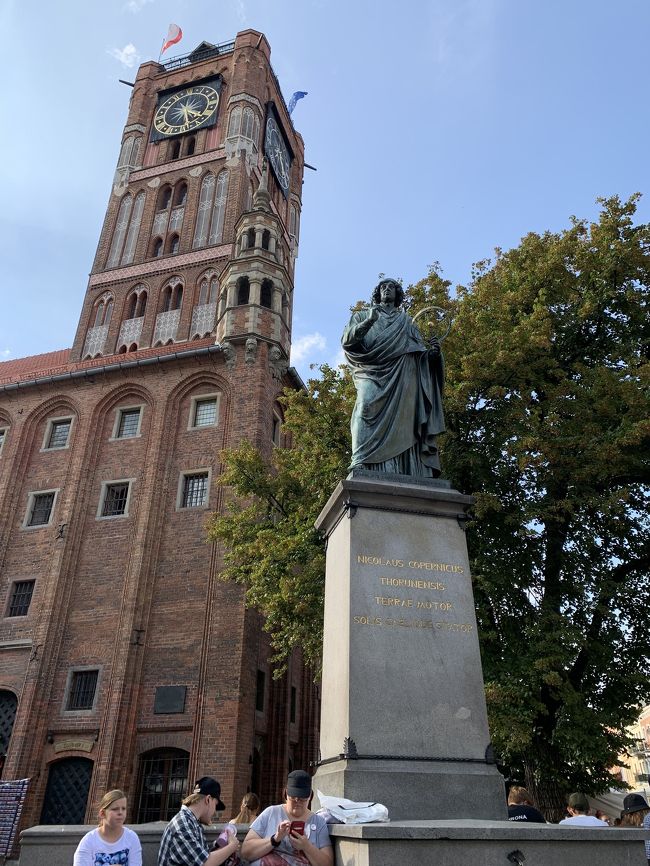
3	436
128	424
21	597
259	691
205	412
59	431
195	490
116	497
275	432
39	510
81	695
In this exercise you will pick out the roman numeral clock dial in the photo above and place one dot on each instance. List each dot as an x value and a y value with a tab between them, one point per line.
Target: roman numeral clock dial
185	110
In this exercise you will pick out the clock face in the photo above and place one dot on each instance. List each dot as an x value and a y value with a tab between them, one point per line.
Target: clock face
277	153
186	110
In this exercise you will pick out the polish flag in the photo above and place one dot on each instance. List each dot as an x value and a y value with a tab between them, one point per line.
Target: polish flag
174	35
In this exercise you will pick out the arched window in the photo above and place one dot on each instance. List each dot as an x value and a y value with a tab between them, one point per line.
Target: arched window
175	149
266	239
208	290
162	782
129	152
157	248
266	294
131	306
234	125
8	706
250	126
66	794
103	312
180	194
190	146
142	305
164	198
249	198
243	291
293	221
250	239
173	244
126	231
212	210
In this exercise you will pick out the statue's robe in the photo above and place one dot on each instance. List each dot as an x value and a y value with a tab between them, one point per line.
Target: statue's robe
399	383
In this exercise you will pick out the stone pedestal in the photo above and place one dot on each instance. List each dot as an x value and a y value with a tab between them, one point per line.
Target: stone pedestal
486	843
403	709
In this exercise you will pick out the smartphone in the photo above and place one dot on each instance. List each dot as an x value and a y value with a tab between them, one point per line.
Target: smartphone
297	827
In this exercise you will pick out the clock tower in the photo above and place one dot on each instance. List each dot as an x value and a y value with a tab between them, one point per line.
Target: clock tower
127	662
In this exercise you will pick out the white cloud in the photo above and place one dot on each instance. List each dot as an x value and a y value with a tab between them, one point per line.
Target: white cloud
135	6
5	353
128	56
302	348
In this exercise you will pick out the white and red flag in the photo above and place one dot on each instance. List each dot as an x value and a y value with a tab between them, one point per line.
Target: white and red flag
174	35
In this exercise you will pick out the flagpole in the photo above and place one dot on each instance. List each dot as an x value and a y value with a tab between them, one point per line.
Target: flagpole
161	50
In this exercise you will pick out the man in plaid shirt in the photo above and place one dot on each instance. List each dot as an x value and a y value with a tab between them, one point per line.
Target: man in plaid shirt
183	842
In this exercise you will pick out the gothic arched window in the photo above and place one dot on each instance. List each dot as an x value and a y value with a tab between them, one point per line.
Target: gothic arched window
212	210
266	294
243	291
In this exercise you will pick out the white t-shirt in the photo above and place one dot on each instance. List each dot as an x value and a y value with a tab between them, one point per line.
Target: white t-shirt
94	851
584	821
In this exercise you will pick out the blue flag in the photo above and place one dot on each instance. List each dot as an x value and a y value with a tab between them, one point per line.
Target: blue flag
296	96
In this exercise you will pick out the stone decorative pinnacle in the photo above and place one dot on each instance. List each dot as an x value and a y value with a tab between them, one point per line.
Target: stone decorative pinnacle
262	199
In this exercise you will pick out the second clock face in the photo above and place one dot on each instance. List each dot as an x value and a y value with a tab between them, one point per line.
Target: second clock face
186	110
277	153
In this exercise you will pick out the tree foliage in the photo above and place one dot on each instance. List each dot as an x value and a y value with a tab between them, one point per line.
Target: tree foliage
272	547
547	411
548	367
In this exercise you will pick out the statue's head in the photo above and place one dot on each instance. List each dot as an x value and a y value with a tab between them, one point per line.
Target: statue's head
399	291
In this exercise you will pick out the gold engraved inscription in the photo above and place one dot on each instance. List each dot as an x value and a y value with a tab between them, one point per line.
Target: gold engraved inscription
403	622
445	567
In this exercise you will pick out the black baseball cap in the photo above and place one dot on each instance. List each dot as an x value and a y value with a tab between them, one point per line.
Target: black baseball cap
634	803
211	788
299	784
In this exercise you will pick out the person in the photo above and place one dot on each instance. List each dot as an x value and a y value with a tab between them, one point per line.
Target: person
636	813
271	840
520	806
578	809
399	381
111	842
183	841
250	806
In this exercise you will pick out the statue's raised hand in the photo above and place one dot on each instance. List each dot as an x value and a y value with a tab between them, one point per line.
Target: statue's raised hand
434	347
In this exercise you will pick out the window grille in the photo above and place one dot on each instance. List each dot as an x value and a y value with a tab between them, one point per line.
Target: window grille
59	432
115	499
162	784
195	490
41	509
82	690
129	422
205	412
21	597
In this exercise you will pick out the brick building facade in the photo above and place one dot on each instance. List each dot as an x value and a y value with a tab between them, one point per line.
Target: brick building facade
125	661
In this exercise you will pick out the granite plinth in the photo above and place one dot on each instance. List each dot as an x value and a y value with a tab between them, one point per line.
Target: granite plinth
403	716
486	843
55	844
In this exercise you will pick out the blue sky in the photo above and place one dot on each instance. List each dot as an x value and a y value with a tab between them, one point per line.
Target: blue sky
439	129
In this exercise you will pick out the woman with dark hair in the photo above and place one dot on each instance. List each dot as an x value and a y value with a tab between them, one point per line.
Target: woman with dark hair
636	813
290	834
399	382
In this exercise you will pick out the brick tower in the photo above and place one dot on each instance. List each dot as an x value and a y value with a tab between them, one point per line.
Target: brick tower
124	660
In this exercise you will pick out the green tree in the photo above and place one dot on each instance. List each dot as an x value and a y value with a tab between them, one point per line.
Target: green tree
271	545
547	413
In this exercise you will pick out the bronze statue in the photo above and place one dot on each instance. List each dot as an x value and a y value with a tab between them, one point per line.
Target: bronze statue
399	382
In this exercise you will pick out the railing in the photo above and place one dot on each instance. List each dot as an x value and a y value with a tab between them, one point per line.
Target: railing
198	56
